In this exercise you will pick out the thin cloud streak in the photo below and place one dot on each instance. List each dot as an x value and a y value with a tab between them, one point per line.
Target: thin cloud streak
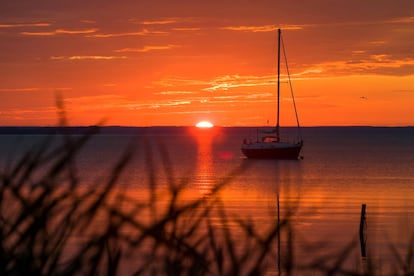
146	49
263	28
165	21
26	89
33	89
159	22
95	99
144	32
61	32
175	93
187	29
87	57
402	20
228	82
19	112
156	105
176	82
381	64
19	25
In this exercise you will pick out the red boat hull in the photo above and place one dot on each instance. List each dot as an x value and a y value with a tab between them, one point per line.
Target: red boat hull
291	152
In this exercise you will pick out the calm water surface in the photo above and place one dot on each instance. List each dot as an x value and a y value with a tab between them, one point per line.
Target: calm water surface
342	168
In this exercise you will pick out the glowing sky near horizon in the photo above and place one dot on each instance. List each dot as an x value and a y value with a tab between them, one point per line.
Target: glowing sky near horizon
160	62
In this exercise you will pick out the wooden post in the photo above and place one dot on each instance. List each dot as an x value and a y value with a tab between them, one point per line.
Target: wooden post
362	234
278	233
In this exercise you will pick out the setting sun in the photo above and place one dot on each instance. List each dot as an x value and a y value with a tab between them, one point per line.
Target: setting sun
204	124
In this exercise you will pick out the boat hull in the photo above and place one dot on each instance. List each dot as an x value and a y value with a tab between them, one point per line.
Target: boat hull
273	151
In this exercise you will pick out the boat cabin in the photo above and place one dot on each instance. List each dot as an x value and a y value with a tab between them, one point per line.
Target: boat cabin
270	139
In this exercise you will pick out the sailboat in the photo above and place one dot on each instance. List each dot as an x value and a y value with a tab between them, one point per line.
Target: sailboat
270	145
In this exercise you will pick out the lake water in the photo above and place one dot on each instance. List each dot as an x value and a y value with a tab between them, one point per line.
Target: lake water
342	168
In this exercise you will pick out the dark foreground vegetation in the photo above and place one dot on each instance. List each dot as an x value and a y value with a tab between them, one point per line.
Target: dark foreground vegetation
50	224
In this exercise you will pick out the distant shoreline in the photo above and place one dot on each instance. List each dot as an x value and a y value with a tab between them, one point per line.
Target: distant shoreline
129	130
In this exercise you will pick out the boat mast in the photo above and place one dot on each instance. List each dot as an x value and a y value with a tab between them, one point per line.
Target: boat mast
278	83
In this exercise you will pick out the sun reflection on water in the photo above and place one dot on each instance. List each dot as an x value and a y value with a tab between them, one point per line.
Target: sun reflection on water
204	178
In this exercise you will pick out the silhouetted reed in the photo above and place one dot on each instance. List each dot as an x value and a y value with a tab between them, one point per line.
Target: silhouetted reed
44	210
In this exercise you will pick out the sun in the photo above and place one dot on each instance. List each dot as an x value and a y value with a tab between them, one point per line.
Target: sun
204	124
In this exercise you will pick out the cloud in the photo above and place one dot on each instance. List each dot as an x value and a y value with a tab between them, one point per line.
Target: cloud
189	29
190	112
144	32
19	25
228	82
164	20
87	21
87	99
263	28
25	89
159	22
32	89
60	32
20	112
202	94
378	42
231	98
87	57
360	23
157	105
146	49
234	81
174	82
401	20
378	64
358	52
114	101
85	31
175	93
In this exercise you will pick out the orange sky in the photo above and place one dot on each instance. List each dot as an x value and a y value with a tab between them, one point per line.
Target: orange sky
163	62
